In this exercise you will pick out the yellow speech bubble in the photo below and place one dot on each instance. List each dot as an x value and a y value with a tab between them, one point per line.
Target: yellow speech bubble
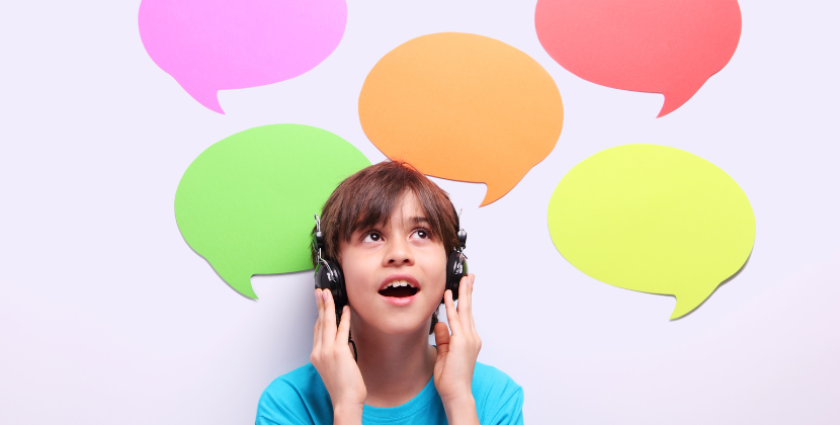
653	219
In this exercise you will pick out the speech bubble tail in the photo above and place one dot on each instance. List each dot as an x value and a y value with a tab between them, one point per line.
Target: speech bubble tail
239	282
675	99
689	301
209	98
496	190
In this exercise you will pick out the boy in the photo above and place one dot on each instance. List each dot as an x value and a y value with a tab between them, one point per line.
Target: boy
390	228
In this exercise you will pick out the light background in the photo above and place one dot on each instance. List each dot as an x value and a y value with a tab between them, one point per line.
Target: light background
107	315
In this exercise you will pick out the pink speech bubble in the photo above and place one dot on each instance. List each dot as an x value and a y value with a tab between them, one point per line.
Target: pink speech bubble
658	46
212	45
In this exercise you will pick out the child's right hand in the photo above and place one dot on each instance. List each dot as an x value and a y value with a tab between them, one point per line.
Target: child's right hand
334	360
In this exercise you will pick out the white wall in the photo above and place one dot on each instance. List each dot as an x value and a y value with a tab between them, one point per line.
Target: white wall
107	315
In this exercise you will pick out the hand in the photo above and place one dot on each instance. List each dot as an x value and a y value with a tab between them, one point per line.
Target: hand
334	359
457	353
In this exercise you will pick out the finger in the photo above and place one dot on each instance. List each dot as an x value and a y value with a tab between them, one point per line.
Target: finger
344	327
441	338
451	313
319	299
471	321
465	307
329	319
464	300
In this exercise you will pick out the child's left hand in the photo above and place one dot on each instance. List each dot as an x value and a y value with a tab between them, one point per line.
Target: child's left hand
457	354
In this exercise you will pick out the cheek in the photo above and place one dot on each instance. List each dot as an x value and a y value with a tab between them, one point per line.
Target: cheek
357	278
435	267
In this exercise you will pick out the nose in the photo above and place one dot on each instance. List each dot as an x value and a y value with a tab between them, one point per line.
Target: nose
398	254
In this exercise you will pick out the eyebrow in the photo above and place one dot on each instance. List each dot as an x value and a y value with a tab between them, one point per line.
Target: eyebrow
419	220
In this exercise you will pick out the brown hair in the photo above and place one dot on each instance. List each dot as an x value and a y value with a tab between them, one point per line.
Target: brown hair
368	197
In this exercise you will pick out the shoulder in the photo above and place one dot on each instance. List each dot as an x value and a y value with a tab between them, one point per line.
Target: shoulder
298	397
498	398
488	379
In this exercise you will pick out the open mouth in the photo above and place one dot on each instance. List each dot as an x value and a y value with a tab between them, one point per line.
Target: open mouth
398	289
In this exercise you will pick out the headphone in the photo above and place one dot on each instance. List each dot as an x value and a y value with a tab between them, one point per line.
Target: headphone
328	273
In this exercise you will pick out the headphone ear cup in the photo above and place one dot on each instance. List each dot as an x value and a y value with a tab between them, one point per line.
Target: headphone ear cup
339	290
332	277
456	268
322	281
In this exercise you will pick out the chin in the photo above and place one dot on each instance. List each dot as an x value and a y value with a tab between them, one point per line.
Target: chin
390	317
402	326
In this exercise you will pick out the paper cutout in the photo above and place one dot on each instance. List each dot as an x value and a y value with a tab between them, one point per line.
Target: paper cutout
658	46
246	204
212	45
653	219
462	107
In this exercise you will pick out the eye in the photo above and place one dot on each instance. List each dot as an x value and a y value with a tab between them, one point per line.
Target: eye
421	233
372	237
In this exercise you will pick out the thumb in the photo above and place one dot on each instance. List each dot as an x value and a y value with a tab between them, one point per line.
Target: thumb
442	338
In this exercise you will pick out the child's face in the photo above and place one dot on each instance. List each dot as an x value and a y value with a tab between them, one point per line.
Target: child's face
400	252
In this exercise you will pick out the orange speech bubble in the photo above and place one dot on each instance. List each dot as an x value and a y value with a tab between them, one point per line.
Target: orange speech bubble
462	107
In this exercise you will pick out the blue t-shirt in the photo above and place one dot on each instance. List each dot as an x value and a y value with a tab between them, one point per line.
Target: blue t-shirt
300	397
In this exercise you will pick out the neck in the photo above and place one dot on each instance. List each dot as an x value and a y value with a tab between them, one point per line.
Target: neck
395	368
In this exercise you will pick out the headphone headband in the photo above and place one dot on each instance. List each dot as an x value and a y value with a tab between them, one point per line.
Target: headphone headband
460	233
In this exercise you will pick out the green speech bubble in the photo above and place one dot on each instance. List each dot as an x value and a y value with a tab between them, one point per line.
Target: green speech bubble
246	204
653	219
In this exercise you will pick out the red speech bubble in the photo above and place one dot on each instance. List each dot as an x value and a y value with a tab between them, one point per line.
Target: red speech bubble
658	46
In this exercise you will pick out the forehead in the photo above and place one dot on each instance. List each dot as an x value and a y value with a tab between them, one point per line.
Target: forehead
407	211
383	208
